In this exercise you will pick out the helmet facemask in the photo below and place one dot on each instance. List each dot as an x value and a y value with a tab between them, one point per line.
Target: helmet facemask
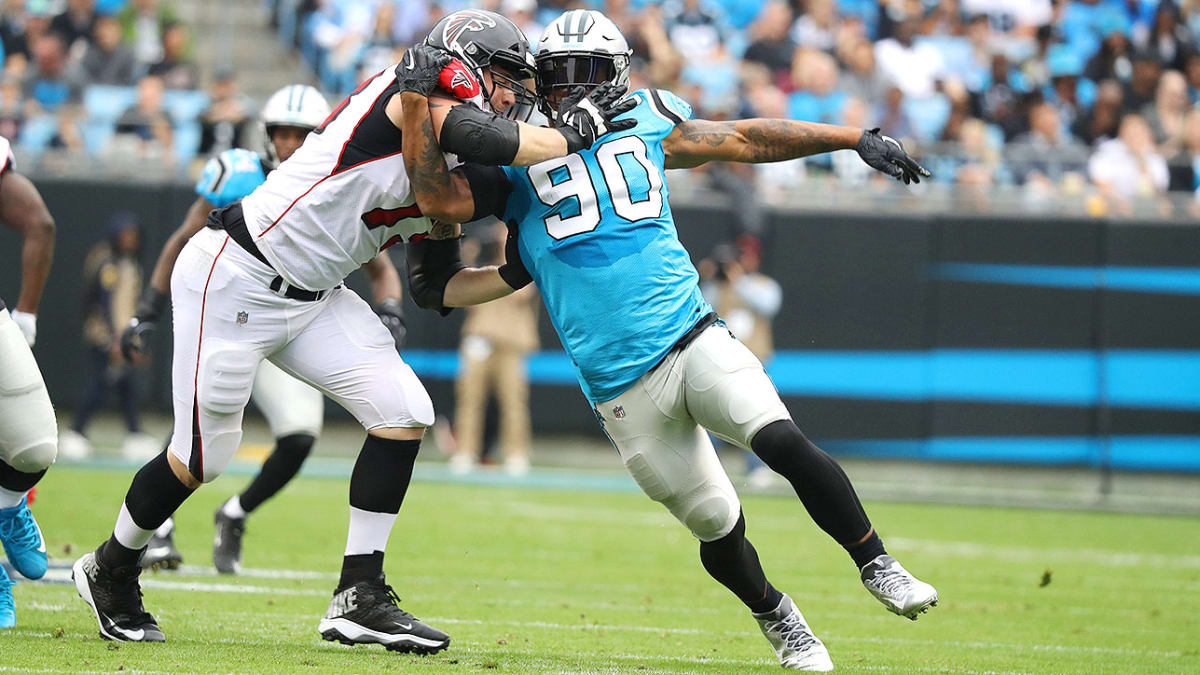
510	74
559	73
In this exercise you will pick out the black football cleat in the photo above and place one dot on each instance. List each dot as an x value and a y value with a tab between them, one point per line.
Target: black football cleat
227	543
369	612
116	600
161	553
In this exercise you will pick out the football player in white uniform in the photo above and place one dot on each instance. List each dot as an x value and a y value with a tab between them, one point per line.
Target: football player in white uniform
28	430
294	410
263	280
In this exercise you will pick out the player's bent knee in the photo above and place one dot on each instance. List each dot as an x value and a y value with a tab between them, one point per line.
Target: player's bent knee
778	441
711	513
35	457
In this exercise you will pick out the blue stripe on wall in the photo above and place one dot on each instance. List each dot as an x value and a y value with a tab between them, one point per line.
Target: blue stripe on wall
1151	379
1164	453
1169	280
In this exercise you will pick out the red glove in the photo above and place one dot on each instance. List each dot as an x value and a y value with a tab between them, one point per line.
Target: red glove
459	81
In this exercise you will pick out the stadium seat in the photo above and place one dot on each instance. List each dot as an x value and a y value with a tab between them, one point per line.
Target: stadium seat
104	102
928	114
184	106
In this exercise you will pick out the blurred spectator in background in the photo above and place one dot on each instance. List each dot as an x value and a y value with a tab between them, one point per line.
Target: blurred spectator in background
524	14
106	60
817	26
76	25
145	126
337	31
1046	152
1166	114
1129	166
497	338
1169	39
229	120
1112	61
1185	165
51	98
1015	20
817	97
144	22
1143	84
112	276
381	48
12	107
175	68
913	68
862	80
747	300
13	18
1192	72
1101	122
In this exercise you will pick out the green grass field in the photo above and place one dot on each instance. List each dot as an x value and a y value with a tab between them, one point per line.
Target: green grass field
540	580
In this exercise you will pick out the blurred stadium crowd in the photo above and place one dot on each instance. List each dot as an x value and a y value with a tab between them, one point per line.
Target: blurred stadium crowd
1045	99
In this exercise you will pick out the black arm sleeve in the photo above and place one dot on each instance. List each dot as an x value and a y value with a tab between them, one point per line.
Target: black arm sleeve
513	271
490	187
431	263
480	137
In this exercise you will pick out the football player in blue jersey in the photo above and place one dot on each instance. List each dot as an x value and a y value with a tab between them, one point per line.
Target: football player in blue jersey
594	231
294	410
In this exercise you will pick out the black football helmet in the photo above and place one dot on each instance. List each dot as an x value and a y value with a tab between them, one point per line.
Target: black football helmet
483	39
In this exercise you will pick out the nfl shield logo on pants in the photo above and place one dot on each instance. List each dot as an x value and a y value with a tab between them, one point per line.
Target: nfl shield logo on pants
242	318
619	412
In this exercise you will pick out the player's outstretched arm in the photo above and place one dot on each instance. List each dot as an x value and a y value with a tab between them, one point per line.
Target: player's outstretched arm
695	142
22	208
438	279
136	336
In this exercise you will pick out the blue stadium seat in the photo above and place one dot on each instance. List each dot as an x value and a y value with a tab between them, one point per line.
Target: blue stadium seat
929	115
106	102
184	106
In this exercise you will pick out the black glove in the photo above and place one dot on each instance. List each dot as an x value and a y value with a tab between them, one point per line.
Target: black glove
420	68
513	271
584	117
391	313
886	154
135	339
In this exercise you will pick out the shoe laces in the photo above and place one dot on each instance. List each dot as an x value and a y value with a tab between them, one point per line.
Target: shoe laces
796	636
20	529
126	592
391	598
892	581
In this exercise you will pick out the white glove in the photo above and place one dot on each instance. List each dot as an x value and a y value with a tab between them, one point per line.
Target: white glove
27	323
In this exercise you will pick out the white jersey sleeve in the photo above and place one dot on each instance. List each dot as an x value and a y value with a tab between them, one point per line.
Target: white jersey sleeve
342	197
10	161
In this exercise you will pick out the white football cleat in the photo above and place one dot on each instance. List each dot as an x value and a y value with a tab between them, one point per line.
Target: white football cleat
899	591
792	639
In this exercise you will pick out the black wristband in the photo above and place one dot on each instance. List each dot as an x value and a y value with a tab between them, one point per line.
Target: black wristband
151	304
513	271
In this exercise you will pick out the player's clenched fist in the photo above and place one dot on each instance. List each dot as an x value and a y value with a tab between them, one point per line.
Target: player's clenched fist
583	117
420	69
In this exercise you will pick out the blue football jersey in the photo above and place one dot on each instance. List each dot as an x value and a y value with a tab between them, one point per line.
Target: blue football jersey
229	176
596	233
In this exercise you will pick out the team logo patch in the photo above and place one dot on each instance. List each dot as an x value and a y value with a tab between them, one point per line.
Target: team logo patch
242	318
467	20
457	79
619	412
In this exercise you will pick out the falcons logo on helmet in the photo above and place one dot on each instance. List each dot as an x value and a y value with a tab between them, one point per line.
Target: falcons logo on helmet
457	79
464	21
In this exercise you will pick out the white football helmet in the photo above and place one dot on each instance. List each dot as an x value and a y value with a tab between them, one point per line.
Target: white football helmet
582	47
296	105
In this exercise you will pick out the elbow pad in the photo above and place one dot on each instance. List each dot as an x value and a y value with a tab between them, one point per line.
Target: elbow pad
480	137
431	263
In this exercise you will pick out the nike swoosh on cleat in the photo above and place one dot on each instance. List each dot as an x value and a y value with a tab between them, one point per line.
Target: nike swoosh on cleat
405	626
133	635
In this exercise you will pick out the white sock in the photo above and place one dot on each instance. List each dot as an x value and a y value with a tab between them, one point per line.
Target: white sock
369	531
233	508
10	498
165	529
128	533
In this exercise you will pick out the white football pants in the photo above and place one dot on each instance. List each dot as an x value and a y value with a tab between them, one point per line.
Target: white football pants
657	426
227	321
28	430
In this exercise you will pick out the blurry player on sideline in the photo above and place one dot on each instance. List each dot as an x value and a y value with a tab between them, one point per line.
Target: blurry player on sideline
594	231
28	430
294	410
263	280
